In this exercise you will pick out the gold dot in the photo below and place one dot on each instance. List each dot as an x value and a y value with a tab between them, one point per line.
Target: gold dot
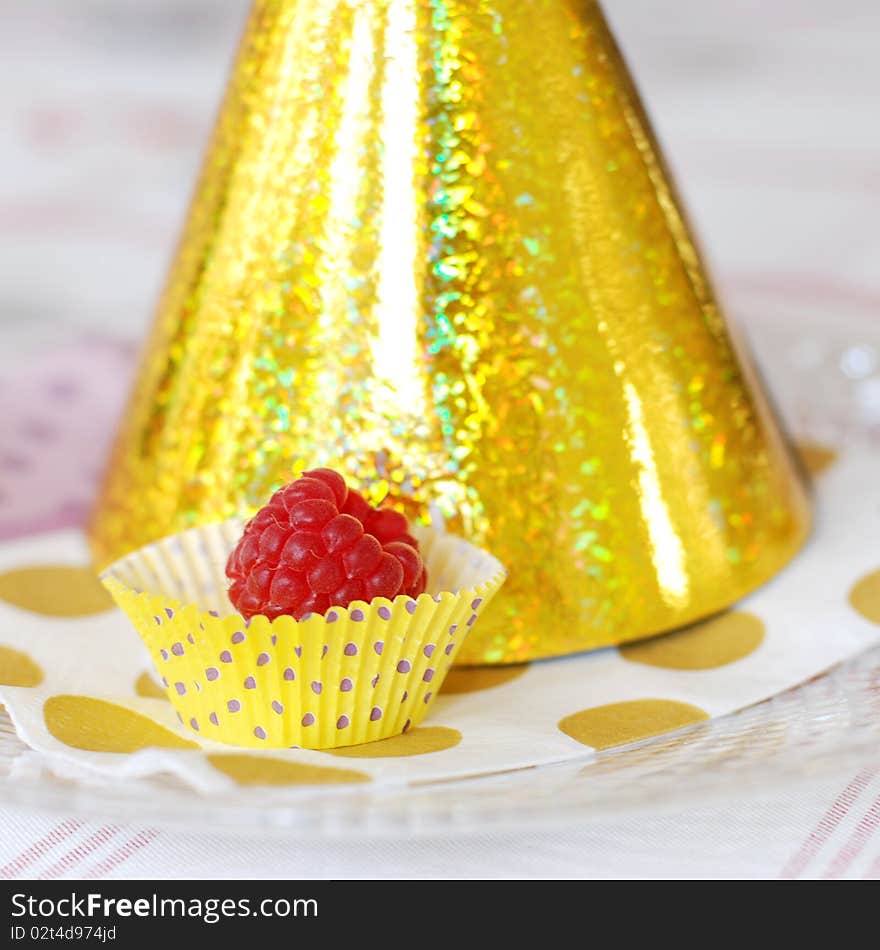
604	727
55	590
98	726
147	686
417	742
18	669
816	458
865	597
703	646
256	770
471	679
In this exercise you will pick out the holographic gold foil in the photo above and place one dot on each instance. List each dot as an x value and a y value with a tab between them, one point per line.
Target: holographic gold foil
434	245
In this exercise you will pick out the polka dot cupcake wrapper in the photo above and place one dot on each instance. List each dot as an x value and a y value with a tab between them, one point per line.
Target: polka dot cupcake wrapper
353	675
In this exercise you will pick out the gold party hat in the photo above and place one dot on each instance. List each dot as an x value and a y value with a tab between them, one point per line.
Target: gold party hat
434	245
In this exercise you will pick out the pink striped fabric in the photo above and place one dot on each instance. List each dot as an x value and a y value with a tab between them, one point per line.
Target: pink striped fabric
91	852
74	857
120	855
39	848
827	824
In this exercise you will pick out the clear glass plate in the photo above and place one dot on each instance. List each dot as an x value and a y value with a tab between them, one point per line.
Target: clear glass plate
824	373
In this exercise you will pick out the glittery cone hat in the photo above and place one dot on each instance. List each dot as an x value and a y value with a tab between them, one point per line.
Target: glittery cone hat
434	245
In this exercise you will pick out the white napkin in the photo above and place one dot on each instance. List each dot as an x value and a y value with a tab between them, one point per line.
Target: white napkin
794	628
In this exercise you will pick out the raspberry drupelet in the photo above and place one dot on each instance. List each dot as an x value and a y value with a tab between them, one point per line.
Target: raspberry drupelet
318	544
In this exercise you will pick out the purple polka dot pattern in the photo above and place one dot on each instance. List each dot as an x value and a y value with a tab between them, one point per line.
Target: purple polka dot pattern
213	613
170	613
165	682
158	620
262	714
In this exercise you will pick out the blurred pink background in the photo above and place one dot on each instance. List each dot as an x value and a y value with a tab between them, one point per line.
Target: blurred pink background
768	112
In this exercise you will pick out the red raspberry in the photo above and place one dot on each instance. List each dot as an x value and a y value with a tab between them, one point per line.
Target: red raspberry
317	544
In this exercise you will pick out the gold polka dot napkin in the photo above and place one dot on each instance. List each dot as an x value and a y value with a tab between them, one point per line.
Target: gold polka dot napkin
81	691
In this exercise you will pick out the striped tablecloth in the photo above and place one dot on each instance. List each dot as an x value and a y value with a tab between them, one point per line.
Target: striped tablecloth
824	830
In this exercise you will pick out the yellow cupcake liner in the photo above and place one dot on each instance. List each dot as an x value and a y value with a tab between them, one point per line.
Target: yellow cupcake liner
353	675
